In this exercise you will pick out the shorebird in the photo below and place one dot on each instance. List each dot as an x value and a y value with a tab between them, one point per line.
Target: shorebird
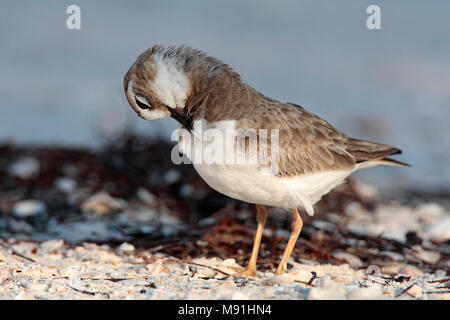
311	156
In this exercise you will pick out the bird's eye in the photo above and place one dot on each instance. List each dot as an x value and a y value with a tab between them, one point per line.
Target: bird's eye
142	102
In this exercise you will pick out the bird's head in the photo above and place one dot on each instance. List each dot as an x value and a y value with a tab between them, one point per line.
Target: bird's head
172	81
157	85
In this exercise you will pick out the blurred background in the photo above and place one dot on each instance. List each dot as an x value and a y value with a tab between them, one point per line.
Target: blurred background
64	87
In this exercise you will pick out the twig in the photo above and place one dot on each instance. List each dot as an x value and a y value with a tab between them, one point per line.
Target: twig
23	256
310	282
381	283
439	281
314	277
405	290
205	266
445	291
92	293
95	279
14	252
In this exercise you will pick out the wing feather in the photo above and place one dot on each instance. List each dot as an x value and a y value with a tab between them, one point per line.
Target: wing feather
309	144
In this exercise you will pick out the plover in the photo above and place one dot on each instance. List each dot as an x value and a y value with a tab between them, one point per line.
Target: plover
312	157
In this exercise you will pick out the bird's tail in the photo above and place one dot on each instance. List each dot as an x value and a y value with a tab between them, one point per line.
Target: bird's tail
371	154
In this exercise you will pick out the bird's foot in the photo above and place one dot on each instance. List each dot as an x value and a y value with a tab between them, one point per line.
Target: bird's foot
281	269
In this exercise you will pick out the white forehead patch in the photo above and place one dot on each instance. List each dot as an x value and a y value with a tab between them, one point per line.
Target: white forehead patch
130	88
171	85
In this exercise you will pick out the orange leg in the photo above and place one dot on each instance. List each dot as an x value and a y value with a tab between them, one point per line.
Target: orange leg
297	225
261	219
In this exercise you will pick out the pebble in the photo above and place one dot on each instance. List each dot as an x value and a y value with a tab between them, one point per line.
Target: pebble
147	197
205	273
65	185
365	191
411	271
324	225
102	203
29	208
52	245
351	259
20	226
343	278
429	211
186	190
126	247
426	255
172	176
25	168
301	275
391	268
439	232
415	291
394	256
440	273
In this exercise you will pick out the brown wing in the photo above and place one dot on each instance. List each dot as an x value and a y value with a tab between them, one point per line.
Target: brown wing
309	144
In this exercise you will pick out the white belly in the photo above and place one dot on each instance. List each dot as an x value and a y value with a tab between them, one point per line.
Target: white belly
251	185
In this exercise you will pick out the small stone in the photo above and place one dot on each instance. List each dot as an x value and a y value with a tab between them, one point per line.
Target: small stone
229	262
302	275
389	291
52	245
430	211
29	208
186	190
206	273
172	176
319	236
146	196
126	247
365	191
324	225
411	271
19	226
440	273
431	257
207	221
25	168
344	278
415	291
156	269
102	203
391	268
351	259
65	185
394	256
439	231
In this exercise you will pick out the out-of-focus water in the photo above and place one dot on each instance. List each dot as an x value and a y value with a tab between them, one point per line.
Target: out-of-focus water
391	85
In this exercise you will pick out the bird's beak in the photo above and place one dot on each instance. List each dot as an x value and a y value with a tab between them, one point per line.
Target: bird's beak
182	117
